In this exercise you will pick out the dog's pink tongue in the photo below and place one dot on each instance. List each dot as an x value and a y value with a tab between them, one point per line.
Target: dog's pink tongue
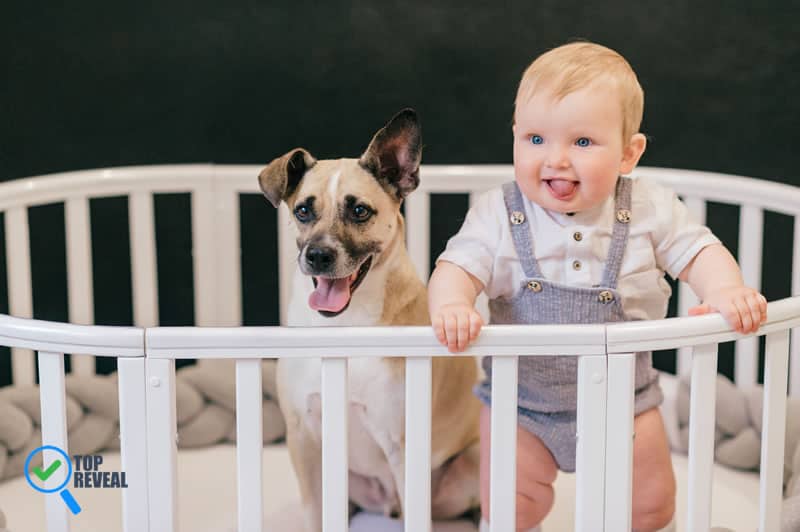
330	294
562	188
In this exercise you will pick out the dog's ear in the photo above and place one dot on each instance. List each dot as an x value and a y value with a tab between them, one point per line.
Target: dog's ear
280	177
394	154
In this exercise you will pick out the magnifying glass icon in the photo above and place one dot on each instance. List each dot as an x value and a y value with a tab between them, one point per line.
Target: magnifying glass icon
50	469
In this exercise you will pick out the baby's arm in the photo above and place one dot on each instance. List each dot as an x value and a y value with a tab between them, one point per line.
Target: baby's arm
716	279
451	302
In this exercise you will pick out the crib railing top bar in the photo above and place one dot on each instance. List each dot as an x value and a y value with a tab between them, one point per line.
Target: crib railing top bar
58	337
698	330
121	181
728	188
255	342
435	179
725	188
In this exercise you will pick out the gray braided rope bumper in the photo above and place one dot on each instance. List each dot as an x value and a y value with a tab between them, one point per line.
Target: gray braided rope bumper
737	439
205	406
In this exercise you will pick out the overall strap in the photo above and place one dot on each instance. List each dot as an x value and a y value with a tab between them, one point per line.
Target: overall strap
520	229
619	237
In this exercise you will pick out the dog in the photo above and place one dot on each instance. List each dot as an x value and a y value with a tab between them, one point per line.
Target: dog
353	269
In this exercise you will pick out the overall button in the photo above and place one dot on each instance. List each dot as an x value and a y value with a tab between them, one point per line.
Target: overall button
577	236
624	216
576	265
517	217
605	296
534	286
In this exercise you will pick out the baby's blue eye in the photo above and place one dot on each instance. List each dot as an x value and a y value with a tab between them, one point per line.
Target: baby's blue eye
583	142
536	139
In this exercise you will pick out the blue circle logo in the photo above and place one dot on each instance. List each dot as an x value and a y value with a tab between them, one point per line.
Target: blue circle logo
48	471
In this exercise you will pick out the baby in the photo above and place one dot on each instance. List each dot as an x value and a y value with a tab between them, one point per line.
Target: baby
573	241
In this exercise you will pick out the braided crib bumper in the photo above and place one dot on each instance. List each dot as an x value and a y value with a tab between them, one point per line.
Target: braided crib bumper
205	406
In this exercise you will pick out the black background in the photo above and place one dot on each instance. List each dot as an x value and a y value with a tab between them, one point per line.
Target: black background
95	84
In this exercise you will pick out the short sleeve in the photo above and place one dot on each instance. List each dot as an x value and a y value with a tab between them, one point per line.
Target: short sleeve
475	245
677	236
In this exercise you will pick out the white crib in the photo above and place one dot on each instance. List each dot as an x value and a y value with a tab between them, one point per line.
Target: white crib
147	353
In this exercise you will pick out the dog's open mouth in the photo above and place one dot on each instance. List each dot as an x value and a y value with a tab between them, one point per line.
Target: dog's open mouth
332	296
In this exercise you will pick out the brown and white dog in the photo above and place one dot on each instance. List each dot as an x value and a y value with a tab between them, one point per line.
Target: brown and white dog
353	269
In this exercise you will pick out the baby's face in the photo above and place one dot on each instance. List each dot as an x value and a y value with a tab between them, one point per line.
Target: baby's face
569	152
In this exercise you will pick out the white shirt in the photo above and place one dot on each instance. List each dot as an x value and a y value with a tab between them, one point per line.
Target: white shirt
663	237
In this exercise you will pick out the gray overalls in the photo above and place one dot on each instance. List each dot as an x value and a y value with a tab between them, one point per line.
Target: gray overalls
548	385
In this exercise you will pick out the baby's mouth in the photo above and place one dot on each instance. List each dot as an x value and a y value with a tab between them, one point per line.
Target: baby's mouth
562	189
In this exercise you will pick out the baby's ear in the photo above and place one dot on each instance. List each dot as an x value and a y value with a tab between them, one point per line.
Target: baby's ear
632	153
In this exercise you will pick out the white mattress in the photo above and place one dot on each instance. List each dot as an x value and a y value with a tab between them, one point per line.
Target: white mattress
207	497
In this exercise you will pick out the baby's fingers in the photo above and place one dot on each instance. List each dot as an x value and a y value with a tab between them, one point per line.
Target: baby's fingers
760	302
463	331
757	305
438	329
745	317
451	332
475	324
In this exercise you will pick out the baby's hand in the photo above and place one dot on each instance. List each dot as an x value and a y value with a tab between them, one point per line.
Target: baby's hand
456	326
743	308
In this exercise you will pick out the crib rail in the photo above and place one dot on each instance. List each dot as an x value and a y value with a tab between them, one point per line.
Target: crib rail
605	407
215	191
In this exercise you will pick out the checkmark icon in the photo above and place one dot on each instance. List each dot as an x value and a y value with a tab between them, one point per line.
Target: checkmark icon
44	475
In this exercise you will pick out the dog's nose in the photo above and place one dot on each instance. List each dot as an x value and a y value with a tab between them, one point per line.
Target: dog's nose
320	259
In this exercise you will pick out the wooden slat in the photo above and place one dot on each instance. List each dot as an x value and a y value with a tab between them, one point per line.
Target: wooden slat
249	444
54	432
619	447
751	229
418	231
773	431
80	292
133	442
701	436
418	445
143	259
334	445
204	250
162	445
590	458
287	260
20	297
503	454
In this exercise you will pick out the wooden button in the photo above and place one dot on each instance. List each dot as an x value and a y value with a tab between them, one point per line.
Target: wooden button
577	236
534	286
605	296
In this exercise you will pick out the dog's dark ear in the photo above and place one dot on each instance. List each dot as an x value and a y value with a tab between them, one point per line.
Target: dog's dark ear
395	151
280	177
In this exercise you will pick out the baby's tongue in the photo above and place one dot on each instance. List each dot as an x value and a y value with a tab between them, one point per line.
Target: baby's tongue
562	188
330	294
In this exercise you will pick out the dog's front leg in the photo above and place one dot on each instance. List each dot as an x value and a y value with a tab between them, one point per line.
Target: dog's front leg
305	450
388	431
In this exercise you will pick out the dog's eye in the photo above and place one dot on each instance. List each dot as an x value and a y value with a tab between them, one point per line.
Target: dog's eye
302	213
361	213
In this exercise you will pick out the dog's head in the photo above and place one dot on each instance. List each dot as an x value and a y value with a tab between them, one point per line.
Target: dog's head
347	211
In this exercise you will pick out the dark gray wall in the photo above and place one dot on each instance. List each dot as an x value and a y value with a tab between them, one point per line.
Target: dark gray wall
94	84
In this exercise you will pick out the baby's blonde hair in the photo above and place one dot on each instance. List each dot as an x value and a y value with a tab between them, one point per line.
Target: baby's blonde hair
578	65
